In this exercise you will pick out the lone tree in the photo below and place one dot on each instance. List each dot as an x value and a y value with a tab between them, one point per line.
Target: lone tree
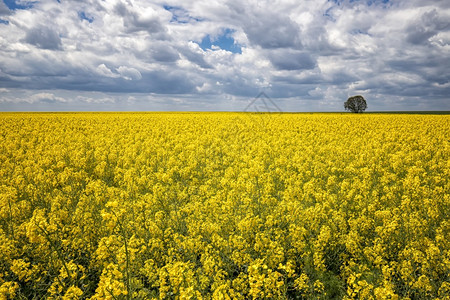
356	104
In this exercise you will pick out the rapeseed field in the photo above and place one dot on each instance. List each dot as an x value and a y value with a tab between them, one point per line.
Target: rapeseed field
224	206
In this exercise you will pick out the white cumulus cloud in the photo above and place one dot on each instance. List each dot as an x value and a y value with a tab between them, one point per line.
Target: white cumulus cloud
305	54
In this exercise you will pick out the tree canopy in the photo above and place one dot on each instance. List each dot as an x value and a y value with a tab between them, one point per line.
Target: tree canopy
356	104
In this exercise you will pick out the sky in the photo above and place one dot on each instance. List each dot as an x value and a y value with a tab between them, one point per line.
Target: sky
220	55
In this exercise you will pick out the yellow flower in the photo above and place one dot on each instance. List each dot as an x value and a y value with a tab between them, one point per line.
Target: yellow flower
224	205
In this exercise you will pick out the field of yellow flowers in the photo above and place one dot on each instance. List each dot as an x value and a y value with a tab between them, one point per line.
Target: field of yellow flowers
224	206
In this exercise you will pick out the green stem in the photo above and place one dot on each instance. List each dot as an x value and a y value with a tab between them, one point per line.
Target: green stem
47	236
112	295
11	219
127	257
127	261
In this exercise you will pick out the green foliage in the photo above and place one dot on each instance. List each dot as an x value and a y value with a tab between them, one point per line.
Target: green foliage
356	104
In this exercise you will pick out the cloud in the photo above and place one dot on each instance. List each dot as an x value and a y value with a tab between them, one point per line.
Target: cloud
4	10
129	73
103	70
287	59
267	28
195	54
46	97
44	37
321	52
430	24
143	18
164	53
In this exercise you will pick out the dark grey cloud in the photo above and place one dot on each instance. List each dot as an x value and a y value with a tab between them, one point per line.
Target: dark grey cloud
122	80
165	53
300	91
195	56
167	83
287	59
157	82
430	24
315	39
135	21
266	26
311	78
271	31
44	37
4	10
158	51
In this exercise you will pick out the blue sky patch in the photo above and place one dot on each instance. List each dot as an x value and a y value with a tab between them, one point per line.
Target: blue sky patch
180	15
359	31
4	22
13	5
370	2
328	14
225	41
83	16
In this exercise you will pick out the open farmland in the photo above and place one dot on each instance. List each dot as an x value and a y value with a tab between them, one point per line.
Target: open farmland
224	206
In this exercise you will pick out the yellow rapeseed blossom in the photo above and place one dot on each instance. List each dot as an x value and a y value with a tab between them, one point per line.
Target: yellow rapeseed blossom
224	206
